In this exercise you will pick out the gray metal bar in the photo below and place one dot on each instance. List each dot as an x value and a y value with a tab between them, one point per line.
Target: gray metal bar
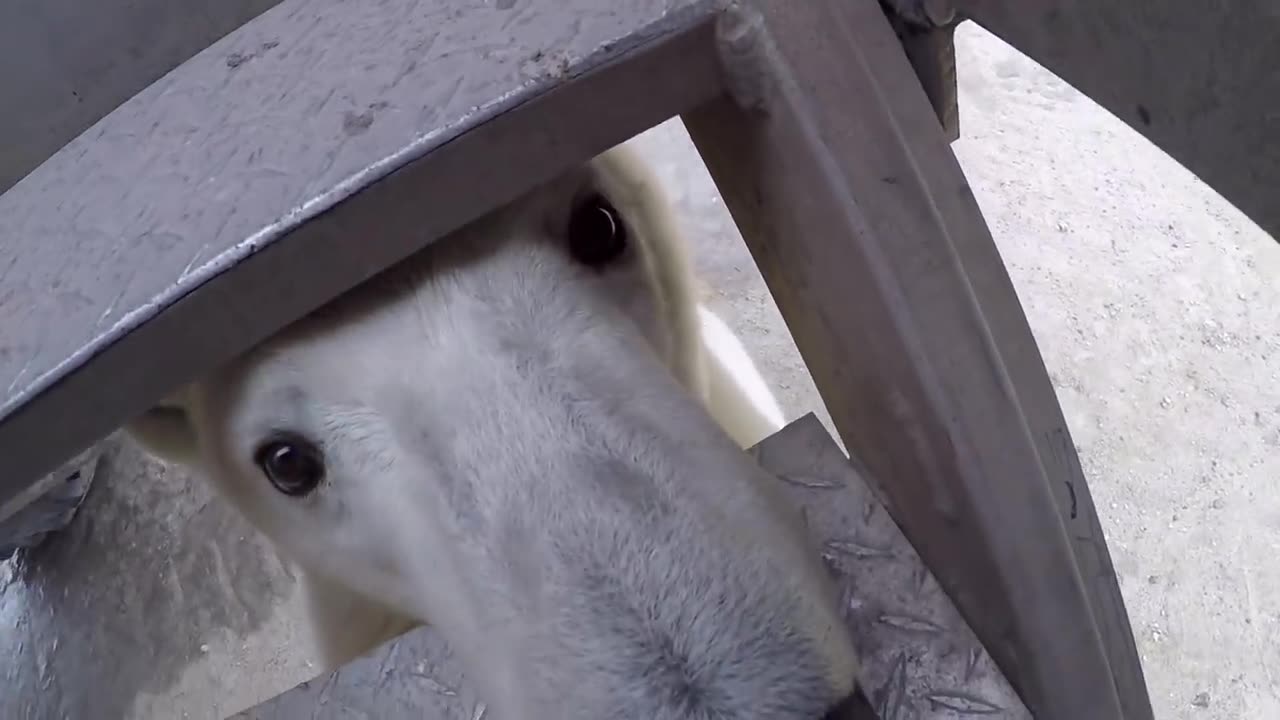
1196	77
919	659
303	153
66	63
851	202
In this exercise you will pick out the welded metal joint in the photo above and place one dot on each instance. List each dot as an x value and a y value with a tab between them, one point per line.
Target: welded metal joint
926	29
923	13
746	54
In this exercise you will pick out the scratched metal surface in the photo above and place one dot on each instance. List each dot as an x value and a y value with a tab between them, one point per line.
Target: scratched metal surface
920	659
66	63
213	168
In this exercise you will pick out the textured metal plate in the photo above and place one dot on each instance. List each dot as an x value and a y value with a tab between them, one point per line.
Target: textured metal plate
919	658
301	154
66	63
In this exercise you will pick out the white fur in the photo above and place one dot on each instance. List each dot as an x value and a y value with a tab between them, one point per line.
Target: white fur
737	395
543	460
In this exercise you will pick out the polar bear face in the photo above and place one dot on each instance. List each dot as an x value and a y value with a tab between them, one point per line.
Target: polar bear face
502	436
309	431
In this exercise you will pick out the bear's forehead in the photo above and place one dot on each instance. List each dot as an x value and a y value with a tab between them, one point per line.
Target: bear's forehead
372	329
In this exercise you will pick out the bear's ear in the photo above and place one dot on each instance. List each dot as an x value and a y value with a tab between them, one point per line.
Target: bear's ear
166	431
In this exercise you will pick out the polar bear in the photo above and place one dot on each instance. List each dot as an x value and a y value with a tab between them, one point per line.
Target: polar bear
530	435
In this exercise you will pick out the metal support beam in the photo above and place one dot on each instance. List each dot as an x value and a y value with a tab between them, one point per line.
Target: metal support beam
861	221
66	63
299	155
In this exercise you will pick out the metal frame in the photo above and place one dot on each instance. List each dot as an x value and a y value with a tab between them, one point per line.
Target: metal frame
267	158
853	211
66	63
238	192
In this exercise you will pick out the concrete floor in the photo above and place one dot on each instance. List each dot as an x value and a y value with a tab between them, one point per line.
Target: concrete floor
1156	305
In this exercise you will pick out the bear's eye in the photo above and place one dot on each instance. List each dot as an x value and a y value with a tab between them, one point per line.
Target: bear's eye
294	465
597	235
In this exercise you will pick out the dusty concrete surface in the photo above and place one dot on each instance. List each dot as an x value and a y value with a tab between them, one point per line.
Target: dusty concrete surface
1157	308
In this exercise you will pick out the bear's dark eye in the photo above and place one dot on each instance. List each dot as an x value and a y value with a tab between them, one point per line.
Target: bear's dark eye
597	235
293	465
